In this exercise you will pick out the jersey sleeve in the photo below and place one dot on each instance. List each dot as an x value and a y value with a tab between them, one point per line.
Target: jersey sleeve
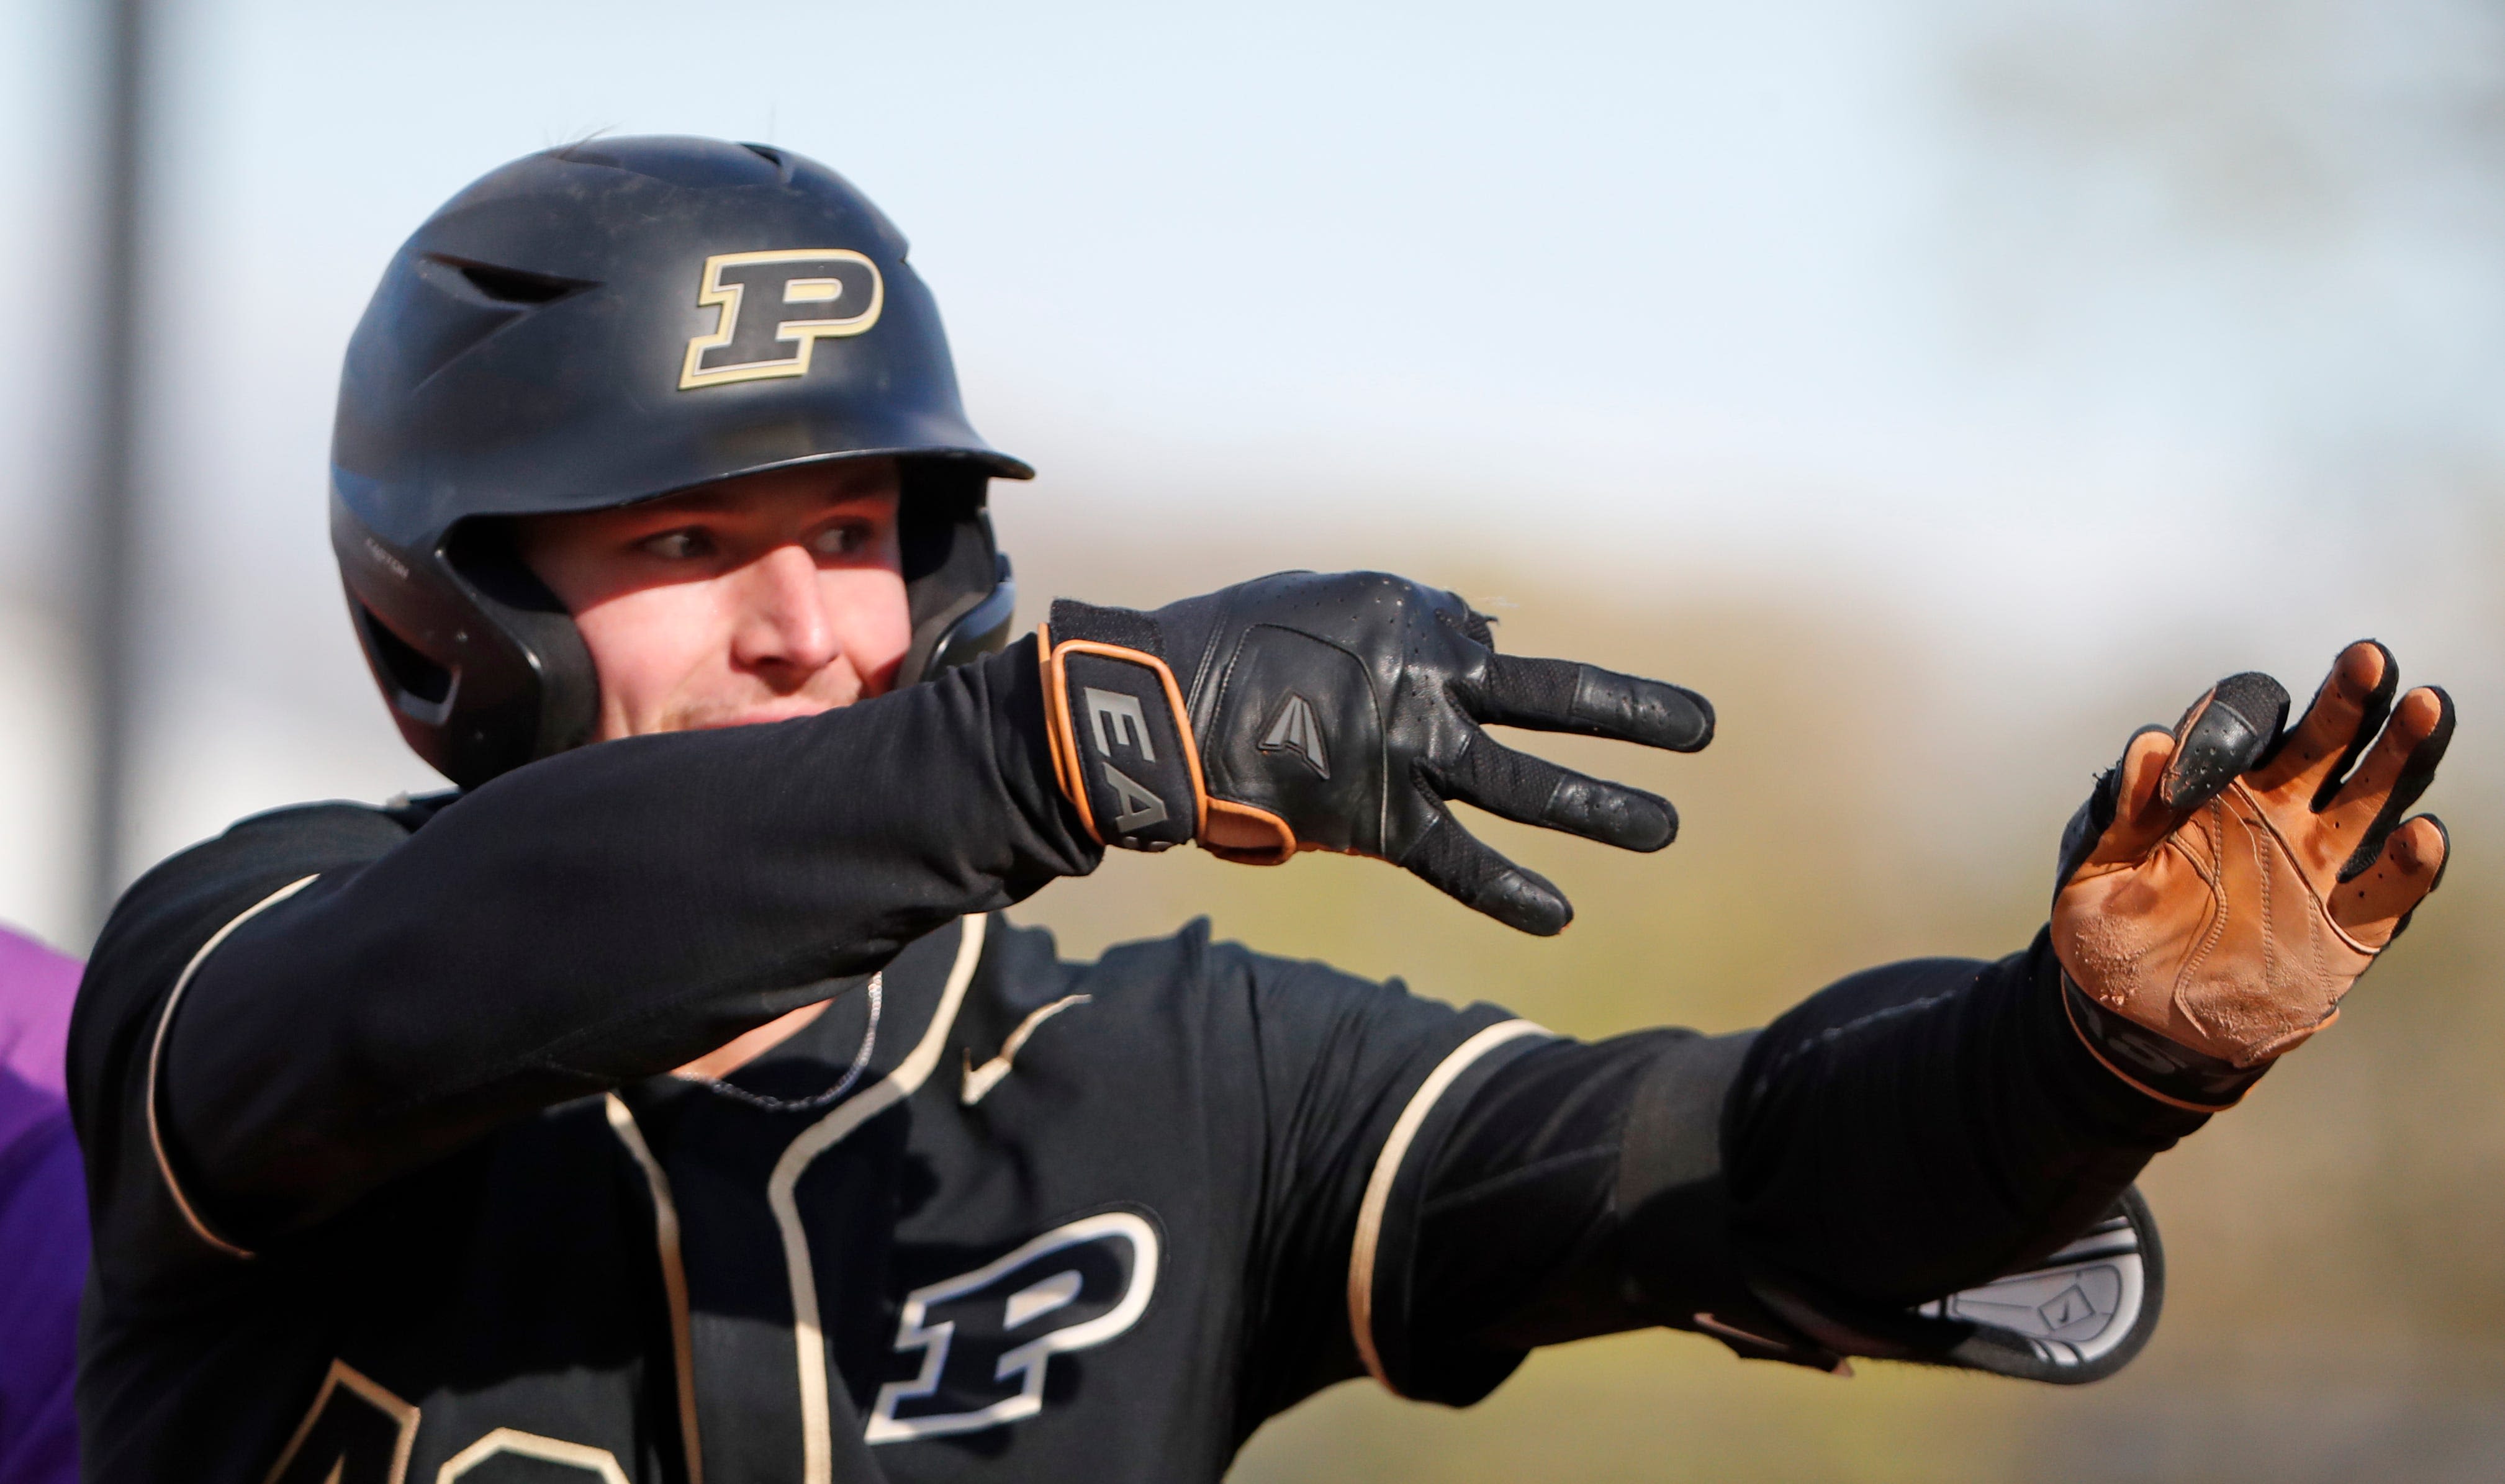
280	1021
1359	1081
140	1188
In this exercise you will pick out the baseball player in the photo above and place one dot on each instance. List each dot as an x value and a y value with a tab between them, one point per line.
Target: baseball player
671	1103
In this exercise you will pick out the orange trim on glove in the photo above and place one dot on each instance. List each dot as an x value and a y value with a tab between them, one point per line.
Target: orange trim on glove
1231	832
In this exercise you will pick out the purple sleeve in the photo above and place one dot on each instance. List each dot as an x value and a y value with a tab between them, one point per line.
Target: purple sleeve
43	1218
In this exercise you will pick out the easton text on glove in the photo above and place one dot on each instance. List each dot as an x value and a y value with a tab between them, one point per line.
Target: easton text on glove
1313	711
2227	883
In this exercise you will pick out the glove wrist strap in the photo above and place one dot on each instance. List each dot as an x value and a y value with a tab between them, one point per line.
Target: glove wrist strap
2164	1069
1122	748
1122	745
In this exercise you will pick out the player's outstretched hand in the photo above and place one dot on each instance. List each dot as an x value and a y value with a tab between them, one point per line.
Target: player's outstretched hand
2227	882
1340	711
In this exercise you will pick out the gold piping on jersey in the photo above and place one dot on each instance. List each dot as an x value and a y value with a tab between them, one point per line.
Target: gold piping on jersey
674	1278
156	1057
1387	1169
808	1337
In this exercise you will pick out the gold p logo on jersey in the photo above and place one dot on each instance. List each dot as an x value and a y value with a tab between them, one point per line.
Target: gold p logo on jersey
774	306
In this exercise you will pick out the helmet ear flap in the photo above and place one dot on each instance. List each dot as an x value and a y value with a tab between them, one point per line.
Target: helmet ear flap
977	624
957	585
483	669
547	697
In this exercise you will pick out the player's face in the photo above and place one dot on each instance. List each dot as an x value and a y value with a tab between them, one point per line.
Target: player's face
761	599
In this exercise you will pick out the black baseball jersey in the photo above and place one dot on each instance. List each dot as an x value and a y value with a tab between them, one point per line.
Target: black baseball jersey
391	1181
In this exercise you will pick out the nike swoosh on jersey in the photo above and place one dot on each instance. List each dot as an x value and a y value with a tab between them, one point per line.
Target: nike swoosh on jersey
980	1081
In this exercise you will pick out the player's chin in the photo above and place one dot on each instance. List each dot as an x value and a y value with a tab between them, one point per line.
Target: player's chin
787	708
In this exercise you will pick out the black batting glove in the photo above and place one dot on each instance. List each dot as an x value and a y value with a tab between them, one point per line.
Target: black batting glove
1340	711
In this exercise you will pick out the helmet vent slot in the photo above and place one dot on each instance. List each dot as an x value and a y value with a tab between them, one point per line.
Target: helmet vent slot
512	286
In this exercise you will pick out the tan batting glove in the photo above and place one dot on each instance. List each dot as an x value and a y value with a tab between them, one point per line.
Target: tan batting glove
2228	883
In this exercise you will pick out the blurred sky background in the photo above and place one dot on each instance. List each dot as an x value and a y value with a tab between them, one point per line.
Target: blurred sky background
1952	384
2050	323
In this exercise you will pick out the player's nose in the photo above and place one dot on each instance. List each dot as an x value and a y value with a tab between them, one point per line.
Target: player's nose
784	622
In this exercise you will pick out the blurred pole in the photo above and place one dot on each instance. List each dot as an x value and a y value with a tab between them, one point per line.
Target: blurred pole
112	561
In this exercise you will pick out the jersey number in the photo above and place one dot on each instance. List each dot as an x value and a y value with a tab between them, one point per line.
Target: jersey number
986	1336
356	1432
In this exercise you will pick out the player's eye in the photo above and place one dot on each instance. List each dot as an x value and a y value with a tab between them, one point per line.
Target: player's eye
679	546
845	538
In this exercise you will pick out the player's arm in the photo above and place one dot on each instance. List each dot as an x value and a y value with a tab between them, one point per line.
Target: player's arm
2217	896
1916	1130
605	914
1906	1133
348	1013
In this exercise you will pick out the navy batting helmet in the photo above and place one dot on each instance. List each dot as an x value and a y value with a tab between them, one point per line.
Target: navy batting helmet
619	321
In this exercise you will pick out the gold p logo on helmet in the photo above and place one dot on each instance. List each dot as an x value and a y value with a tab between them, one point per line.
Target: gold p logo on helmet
774	306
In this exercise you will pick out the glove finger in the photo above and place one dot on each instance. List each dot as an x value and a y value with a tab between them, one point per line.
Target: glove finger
2223	734
2409	868
2352	703
2130	813
1561	695
2164	776
1452	861
1533	790
2396	772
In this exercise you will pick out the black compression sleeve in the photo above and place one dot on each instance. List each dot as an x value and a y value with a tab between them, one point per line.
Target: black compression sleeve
599	916
1916	1129
1904	1133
